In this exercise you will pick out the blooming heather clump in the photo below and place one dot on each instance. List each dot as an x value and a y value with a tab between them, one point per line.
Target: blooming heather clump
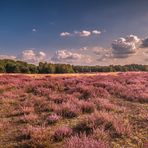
87	107
30	118
42	91
110	122
84	142
36	134
68	110
101	134
53	118
86	93
121	127
58	100
62	133
102	104
27	110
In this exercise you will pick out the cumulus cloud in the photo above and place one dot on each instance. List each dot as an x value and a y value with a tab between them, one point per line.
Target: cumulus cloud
65	34
96	32
83	33
7	57
66	56
124	47
34	30
145	43
97	53
83	49
31	56
102	53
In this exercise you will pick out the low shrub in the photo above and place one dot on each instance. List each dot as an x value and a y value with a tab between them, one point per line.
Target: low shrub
61	133
84	142
53	118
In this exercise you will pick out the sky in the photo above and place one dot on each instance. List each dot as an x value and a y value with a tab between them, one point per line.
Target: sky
80	32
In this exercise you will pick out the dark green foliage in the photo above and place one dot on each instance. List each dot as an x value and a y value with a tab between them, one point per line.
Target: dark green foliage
63	68
11	66
46	68
2	69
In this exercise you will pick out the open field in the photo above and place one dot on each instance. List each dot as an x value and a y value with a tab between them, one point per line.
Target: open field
103	110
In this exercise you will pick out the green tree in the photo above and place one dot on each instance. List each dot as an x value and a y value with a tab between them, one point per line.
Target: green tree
2	69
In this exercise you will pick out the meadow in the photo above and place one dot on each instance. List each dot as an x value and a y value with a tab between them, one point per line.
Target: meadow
74	111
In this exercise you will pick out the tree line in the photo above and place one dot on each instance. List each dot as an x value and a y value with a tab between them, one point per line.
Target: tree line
11	66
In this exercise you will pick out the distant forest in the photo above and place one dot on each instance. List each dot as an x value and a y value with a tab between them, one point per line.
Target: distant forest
11	66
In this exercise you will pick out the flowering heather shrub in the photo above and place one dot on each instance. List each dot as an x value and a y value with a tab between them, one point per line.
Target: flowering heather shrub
144	116
9	94
86	92
59	98
145	145
4	125
101	134
121	87
87	107
87	124
61	133
84	142
103	93
27	110
115	124
41	104
53	118
42	91
29	118
36	134
120	127
53	107
68	110
83	127
107	105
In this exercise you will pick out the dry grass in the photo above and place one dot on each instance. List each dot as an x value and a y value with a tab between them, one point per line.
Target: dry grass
66	75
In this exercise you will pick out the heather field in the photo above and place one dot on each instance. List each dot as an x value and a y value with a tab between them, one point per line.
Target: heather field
77	111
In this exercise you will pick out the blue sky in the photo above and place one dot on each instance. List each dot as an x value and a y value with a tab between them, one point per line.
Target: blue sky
37	24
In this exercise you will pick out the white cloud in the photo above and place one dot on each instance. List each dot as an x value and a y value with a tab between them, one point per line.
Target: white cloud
65	34
63	55
96	32
83	33
31	56
102	53
83	49
97	53
7	57
34	30
66	56
124	47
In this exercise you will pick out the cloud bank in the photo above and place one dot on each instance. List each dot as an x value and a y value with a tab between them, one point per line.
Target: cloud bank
31	56
66	56
124	50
